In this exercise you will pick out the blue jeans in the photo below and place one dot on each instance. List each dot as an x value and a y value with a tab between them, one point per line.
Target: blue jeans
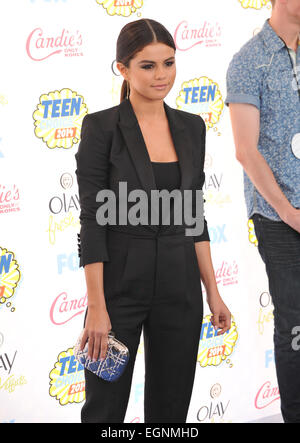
279	247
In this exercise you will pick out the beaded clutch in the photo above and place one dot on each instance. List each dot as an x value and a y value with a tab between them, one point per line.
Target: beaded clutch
114	363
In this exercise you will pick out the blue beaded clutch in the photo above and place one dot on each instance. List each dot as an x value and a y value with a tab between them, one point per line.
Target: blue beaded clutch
114	363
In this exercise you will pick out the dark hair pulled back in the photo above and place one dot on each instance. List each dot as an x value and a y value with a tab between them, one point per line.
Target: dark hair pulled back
134	36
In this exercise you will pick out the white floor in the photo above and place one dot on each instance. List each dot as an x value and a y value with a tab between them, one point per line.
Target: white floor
272	419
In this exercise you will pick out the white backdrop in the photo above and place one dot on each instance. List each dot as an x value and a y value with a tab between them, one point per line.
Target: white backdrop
57	65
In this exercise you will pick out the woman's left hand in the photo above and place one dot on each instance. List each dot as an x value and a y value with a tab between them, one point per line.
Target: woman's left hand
221	316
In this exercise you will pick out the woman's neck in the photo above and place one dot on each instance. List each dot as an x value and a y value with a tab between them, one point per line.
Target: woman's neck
146	109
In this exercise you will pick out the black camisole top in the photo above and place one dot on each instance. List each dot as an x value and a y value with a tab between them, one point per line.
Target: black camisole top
167	176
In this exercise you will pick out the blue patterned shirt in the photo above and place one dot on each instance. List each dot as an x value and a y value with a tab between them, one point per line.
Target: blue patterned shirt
261	74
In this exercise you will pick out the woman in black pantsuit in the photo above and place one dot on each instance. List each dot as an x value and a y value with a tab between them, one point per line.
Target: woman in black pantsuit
145	276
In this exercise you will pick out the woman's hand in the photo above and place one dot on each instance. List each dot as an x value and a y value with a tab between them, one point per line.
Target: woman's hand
97	327
221	316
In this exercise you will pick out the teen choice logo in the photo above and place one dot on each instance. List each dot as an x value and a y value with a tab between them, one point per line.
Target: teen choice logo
121	7
251	232
201	96
67	383
214	349
58	118
9	277
255	4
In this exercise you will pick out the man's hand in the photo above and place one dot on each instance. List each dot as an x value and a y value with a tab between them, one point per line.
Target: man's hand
292	218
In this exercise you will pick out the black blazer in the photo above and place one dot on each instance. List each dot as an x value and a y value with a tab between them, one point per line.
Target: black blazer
112	149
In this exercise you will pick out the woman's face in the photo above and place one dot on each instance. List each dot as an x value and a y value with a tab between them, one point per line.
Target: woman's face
151	72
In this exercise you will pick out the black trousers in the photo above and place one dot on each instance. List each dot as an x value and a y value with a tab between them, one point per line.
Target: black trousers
279	247
151	283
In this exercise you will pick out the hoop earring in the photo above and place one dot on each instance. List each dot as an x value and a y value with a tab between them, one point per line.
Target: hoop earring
127	88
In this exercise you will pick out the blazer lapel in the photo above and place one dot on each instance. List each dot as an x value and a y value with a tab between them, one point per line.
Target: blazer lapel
183	146
133	136
134	139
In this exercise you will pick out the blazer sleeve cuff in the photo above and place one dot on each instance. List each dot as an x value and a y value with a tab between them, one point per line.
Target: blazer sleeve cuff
204	236
92	245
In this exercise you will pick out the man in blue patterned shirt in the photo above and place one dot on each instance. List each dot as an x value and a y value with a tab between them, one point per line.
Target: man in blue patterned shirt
263	95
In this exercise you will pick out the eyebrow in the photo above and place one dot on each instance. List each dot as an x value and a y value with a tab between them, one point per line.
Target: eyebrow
151	61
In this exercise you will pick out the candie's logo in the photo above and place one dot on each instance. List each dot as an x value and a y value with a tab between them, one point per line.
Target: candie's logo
187	36
201	96
9	198
214	349
67	383
9	277
40	45
121	7
58	118
267	395
255	4
64	309
227	273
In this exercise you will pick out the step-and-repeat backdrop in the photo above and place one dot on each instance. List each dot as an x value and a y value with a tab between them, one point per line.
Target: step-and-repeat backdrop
57	65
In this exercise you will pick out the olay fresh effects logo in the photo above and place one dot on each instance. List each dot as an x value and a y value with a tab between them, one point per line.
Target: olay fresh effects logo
187	36
67	383
62	207
9	199
266	314
266	395
9	382
255	4
10	276
214	412
58	118
213	181
41	45
121	7
203	97
213	185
